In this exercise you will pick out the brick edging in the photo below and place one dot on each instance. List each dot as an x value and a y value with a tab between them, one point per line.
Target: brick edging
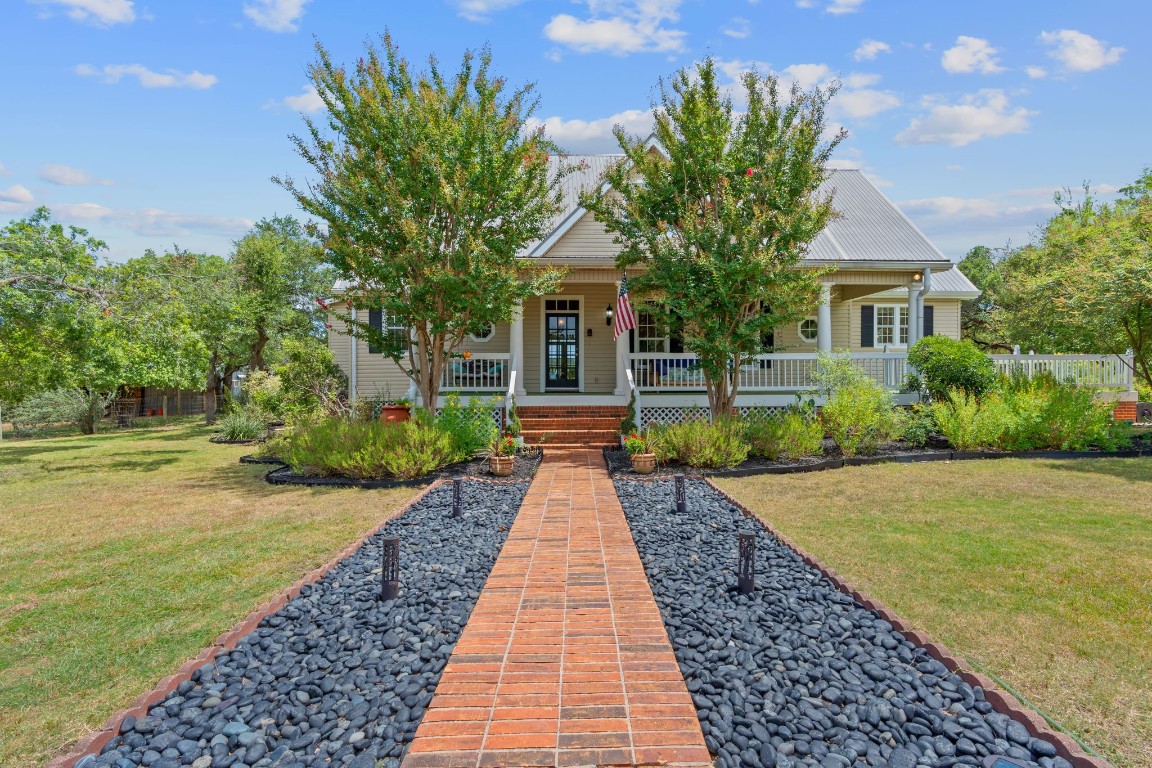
92	743
1002	701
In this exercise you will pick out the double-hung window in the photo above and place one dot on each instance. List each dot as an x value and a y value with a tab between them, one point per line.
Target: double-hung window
651	336
891	325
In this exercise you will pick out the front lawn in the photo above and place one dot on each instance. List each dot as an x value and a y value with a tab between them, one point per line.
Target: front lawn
122	555
1040	571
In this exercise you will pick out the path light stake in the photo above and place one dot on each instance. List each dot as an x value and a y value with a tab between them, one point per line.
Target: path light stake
746	570
457	496
390	568
681	499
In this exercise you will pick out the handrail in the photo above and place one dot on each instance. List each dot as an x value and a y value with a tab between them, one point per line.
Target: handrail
510	393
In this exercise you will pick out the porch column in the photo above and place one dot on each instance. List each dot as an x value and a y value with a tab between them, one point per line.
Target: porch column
516	346
914	292
824	319
622	361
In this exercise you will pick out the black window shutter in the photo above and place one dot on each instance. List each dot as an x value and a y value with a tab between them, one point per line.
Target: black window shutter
867	325
376	321
928	320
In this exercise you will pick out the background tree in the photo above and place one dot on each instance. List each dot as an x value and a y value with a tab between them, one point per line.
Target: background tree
281	273
1086	284
978	316
721	219
428	186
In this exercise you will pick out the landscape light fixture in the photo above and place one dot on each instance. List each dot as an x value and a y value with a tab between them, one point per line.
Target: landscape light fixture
746	568
390	568
457	497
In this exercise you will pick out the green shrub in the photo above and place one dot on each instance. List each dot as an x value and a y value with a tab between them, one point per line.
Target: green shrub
263	394
918	425
369	450
700	444
72	407
945	364
969	425
860	416
310	381
470	427
790	434
241	424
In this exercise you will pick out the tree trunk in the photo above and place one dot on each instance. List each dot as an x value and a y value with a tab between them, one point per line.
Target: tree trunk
722	391
257	361
211	385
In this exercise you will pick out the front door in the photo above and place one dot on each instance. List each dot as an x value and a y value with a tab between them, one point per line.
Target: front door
562	345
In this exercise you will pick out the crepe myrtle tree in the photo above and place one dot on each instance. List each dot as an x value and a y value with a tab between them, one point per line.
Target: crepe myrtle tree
719	213
428	186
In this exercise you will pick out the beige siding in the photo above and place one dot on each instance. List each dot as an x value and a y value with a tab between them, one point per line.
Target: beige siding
587	238
945	320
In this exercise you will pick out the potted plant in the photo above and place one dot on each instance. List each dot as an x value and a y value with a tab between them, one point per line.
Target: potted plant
502	455
400	410
643	462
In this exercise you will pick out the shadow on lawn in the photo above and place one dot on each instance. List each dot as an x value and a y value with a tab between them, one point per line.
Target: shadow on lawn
148	462
1132	470
19	454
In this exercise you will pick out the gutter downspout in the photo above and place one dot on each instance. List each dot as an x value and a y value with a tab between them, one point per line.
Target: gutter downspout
354	373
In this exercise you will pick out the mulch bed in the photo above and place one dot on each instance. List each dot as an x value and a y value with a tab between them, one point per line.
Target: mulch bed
529	459
619	465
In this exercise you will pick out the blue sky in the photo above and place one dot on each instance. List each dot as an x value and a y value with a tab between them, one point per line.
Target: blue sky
162	123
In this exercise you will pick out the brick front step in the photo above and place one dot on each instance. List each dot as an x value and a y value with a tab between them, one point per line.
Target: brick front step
575	422
570	437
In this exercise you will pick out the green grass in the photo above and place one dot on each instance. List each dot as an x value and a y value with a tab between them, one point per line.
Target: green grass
124	554
1040	571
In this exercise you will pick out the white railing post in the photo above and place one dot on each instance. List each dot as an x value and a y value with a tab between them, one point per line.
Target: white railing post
510	393
1130	370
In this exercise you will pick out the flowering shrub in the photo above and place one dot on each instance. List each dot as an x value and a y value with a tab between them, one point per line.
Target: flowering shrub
502	445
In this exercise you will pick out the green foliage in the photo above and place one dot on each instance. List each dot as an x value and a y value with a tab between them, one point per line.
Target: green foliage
721	218
501	445
791	434
429	185
628	424
241	424
918	424
1023	414
635	444
945	364
263	393
470	426
858	412
49	408
514	426
372	450
310	380
697	443
981	265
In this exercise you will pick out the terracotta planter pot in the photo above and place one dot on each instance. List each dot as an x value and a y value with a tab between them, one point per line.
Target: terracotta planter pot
502	465
395	413
643	463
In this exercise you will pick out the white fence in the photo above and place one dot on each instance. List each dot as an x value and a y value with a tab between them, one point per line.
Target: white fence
780	372
479	372
1100	371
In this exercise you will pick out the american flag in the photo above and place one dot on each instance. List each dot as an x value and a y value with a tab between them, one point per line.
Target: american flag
625	317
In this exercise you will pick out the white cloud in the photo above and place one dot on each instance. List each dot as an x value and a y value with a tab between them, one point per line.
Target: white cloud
594	135
1079	52
981	115
16	194
862	103
276	15
859	79
620	27
307	100
101	13
971	54
839	7
739	28
807	75
113	73
870	49
482	10
1036	73
67	176
153	221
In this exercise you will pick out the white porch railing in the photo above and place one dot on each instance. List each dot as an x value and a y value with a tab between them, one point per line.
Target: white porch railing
1101	371
779	372
481	372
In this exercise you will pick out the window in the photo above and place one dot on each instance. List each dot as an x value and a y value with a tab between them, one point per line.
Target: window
650	336
378	319
486	335
891	325
807	330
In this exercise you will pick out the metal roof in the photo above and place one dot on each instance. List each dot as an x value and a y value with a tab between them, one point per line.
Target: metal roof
948	284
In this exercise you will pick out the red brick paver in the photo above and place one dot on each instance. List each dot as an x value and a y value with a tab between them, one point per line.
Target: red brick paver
564	661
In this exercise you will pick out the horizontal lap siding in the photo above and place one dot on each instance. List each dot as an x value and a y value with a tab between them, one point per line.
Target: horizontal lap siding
587	239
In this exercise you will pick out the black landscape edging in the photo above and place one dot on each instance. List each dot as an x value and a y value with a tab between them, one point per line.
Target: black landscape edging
284	475
802	672
221	441
250	459
335	676
896	458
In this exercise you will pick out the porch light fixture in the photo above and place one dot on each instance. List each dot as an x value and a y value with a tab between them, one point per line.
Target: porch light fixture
917	277
608	315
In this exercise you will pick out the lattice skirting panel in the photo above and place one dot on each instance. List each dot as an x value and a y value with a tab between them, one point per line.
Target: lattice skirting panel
760	410
665	414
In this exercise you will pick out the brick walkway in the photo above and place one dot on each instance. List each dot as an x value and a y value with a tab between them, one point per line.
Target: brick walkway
565	661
